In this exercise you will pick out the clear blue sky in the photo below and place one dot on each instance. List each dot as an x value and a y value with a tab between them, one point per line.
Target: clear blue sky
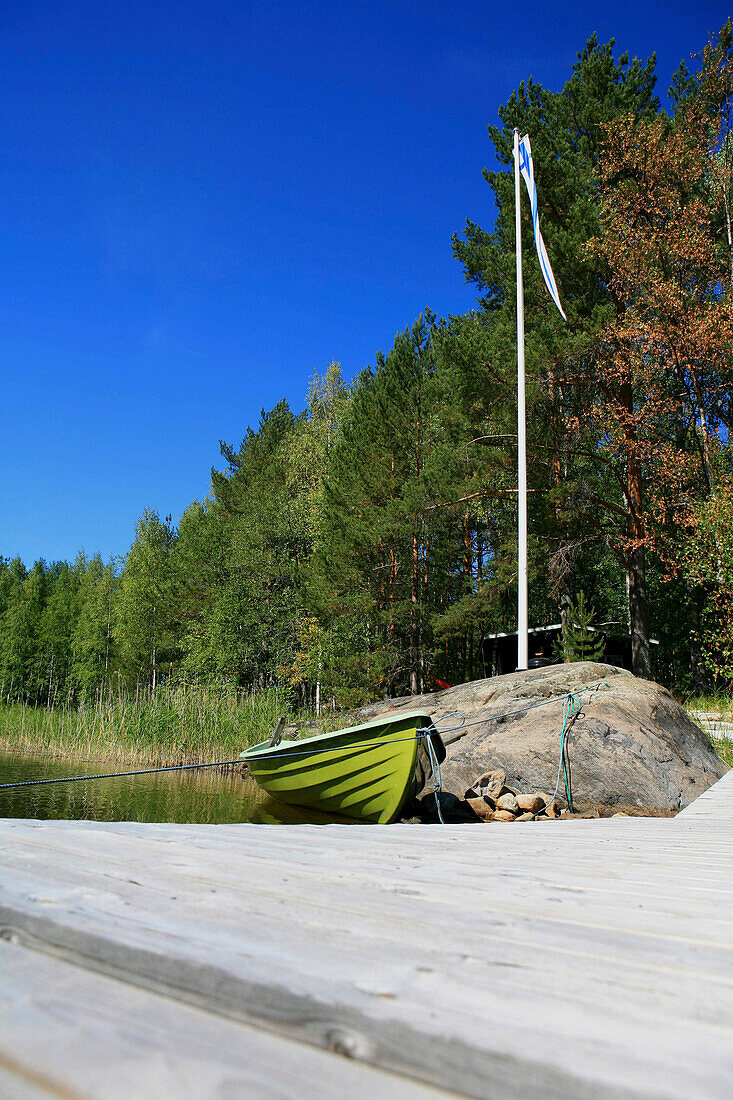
200	203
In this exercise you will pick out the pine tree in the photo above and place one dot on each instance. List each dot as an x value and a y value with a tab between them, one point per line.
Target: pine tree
578	641
252	631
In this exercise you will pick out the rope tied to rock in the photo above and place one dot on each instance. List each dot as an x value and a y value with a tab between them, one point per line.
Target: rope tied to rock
572	709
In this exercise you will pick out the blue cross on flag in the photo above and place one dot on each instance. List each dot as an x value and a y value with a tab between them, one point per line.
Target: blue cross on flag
527	170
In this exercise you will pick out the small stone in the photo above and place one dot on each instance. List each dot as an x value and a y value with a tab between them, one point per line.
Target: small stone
620	815
503	815
551	810
530	803
492	783
481	808
507	802
525	817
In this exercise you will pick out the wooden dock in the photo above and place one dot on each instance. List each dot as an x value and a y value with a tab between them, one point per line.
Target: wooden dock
562	959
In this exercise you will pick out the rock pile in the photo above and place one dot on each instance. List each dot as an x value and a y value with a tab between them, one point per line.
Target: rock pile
491	800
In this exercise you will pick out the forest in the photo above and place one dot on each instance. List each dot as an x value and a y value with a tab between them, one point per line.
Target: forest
365	545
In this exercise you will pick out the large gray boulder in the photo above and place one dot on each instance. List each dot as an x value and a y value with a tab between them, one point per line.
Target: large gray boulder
632	743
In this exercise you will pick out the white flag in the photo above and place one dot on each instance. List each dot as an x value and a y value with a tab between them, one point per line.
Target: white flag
527	170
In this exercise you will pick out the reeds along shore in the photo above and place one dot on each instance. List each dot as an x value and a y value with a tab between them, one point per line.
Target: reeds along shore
171	725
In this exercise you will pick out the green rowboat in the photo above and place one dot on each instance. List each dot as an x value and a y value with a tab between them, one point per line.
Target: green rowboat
367	772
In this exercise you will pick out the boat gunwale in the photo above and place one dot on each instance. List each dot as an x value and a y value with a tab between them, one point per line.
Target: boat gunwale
264	750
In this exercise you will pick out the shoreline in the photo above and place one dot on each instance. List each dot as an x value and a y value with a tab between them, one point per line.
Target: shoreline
128	761
182	725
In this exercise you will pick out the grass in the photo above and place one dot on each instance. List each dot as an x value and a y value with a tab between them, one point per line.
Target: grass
724	749
181	724
717	704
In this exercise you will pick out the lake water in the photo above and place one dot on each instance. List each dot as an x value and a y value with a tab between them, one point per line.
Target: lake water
205	796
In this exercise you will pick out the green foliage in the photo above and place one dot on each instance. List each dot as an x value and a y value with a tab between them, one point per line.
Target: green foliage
578	641
411	509
724	749
93	644
709	563
251	632
144	627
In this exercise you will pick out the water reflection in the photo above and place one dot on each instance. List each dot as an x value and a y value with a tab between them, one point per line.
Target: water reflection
207	797
269	811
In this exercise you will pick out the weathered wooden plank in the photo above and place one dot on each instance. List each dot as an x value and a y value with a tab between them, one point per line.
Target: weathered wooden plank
524	869
95	1036
465	955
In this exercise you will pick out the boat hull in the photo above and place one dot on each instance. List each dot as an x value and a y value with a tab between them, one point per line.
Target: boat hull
367	772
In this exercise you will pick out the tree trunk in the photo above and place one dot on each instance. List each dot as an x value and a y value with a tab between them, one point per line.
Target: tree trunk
467	587
414	616
109	631
50	682
640	657
392	587
700	411
565	605
467	554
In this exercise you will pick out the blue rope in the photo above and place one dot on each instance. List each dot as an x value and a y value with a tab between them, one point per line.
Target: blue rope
520	710
571	710
437	780
116	775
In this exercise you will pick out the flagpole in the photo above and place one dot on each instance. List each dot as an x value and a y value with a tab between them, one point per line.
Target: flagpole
522	617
